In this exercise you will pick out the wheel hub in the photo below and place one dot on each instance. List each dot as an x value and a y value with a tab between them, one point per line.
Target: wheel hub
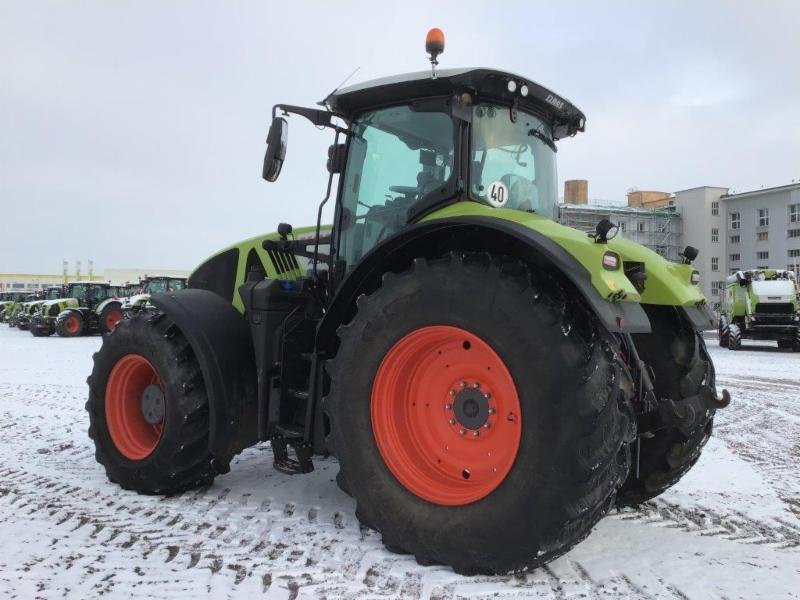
153	404
471	407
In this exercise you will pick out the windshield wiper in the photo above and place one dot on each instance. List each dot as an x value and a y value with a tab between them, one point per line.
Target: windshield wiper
541	136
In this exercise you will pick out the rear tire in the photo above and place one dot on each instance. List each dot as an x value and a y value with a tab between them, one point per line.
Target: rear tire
168	460
676	353
575	422
734	337
70	323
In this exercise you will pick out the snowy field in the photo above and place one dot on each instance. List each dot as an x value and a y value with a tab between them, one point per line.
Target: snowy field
731	529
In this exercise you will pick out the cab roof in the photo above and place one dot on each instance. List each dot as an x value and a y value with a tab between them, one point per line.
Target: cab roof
485	84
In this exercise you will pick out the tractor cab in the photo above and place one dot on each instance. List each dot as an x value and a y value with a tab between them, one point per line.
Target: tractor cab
158	285
417	142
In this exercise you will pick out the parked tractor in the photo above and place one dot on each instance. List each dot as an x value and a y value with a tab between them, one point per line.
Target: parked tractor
9	303
760	304
22	316
491	382
77	313
149	286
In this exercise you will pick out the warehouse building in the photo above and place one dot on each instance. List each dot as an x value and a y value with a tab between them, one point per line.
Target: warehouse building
30	282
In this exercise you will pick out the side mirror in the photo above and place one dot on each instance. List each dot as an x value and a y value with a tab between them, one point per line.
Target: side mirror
276	148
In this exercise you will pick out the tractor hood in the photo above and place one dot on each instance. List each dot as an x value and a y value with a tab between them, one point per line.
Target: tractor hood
135	300
62	303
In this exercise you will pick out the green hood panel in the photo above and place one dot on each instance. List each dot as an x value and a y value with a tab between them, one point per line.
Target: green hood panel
667	283
268	259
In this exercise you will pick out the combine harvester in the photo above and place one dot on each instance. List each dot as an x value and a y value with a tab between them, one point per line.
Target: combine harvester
491	382
760	304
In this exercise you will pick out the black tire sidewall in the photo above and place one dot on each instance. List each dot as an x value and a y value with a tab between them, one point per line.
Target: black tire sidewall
545	479
145	343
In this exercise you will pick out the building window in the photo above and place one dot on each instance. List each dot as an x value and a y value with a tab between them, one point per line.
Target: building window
793	233
661	226
714	263
735	257
762	236
794	253
734	239
640	226
715	208
735	221
762	255
622	226
794	213
763	217
715	235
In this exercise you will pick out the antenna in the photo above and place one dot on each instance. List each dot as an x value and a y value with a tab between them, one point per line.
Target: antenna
434	46
336	89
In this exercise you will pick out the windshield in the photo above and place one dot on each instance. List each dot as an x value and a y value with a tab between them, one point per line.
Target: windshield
53	294
156	286
77	291
513	162
397	157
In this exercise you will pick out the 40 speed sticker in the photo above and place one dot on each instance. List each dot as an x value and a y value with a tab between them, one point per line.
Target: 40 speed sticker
497	194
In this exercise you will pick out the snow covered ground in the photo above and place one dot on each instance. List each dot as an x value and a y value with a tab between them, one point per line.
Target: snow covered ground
731	529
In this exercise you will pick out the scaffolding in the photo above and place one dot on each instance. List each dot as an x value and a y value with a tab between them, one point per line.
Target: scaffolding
660	229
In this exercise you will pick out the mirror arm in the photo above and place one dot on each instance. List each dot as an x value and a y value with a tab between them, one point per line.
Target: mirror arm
320	118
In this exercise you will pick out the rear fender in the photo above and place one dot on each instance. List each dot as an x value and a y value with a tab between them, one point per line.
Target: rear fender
433	238
221	341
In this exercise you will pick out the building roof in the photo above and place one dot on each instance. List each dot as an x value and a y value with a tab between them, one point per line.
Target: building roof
566	119
778	188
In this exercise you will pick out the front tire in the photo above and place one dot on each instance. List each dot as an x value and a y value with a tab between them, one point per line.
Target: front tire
148	409
411	457
110	316
677	355
734	337
70	323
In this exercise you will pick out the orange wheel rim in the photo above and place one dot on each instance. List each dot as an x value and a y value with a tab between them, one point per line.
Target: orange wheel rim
72	325
446	415
132	434
113	317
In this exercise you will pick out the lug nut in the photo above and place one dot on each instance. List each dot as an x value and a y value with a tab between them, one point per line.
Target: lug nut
487	395
487	425
476	385
448	406
452	421
492	411
462	431
476	433
463	384
452	392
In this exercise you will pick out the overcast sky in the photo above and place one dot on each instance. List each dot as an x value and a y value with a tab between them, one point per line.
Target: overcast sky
132	133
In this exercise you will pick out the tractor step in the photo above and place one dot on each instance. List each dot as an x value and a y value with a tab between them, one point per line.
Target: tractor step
301	463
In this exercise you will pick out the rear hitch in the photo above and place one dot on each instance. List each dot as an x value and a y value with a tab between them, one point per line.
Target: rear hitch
684	413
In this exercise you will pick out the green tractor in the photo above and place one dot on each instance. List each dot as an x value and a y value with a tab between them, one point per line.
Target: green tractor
27	309
32	309
760	304
148	286
492	383
77	312
9	302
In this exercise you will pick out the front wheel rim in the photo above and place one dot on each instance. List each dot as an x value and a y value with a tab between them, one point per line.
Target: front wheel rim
446	415
71	325
130	379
